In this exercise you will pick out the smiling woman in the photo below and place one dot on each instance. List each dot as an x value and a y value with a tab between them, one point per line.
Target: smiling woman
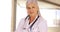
31	16
34	22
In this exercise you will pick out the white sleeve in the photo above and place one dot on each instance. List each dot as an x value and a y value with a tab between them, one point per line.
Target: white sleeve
20	26
43	27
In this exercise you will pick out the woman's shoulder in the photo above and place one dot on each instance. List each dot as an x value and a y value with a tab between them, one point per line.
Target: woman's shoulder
22	20
42	22
42	19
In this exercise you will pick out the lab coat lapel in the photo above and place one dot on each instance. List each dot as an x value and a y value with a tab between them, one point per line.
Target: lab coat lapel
26	25
35	26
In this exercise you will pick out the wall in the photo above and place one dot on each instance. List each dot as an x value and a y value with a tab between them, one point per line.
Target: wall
5	15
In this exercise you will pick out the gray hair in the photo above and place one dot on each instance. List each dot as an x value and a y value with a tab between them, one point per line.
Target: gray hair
32	1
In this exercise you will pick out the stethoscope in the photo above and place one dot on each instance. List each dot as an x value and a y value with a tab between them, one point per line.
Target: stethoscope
33	22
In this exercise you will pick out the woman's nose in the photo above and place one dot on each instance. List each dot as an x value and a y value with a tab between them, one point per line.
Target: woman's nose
31	9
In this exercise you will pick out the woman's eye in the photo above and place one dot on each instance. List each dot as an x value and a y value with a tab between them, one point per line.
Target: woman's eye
33	7
28	8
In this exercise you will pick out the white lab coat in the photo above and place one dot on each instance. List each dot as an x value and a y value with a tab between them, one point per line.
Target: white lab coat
39	26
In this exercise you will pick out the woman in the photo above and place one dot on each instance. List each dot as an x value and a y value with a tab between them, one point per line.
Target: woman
33	22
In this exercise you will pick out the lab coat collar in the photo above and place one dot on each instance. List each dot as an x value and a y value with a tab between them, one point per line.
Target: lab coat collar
27	20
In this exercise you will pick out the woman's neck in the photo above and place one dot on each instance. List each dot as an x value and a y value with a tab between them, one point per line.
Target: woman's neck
32	18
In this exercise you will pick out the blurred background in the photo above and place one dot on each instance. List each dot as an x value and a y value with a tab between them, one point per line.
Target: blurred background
49	9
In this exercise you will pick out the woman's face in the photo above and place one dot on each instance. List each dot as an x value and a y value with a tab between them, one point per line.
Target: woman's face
32	9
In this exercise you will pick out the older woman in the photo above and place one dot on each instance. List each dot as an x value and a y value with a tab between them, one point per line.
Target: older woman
33	22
